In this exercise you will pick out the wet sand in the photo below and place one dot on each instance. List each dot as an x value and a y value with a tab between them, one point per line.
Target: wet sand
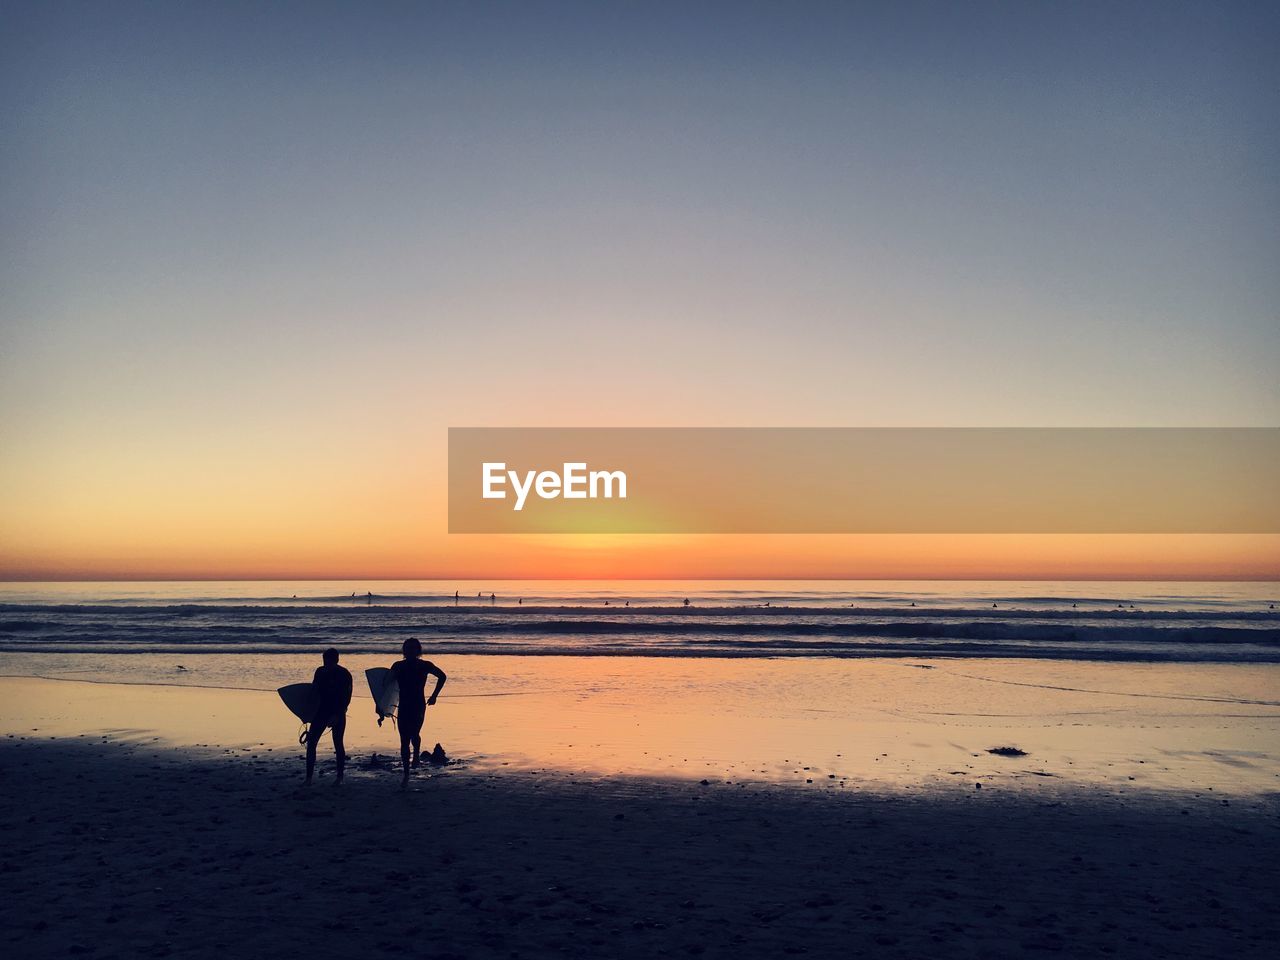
844	725
119	848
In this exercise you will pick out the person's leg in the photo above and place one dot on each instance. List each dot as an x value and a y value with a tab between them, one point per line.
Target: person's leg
404	755
417	736
339	748
410	727
313	738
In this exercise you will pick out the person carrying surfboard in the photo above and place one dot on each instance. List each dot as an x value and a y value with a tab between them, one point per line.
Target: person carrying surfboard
332	688
411	675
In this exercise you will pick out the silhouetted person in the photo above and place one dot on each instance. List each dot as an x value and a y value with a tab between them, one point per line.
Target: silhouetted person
369	598
493	598
332	686
520	601
411	674
455	598
686	602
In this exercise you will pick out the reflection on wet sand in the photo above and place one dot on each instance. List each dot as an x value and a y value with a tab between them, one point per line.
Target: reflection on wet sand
829	724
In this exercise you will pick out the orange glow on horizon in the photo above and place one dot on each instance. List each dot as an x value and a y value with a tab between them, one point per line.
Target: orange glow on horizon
743	557
95	514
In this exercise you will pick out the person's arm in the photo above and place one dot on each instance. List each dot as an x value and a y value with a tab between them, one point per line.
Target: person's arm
346	692
440	679
317	689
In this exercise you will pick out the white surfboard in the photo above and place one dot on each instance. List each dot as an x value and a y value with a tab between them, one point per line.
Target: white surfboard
300	698
385	690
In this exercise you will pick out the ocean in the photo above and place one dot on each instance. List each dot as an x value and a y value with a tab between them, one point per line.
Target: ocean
876	680
1133	621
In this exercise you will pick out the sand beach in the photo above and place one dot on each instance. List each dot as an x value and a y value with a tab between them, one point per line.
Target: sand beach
1133	825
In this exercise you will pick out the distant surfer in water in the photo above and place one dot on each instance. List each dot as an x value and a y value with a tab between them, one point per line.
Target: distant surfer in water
411	674
332	686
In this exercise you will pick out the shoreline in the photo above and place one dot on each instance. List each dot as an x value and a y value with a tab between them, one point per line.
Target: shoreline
812	724
899	654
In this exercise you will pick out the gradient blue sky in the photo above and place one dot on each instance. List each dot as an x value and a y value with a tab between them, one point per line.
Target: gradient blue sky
249	249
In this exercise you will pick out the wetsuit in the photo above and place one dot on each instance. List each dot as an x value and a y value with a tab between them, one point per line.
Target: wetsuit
332	686
412	675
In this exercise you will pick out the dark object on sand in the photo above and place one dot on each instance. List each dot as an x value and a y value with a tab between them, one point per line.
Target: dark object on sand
438	757
1007	752
379	762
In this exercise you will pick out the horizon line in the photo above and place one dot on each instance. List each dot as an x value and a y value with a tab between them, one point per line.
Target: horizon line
606	579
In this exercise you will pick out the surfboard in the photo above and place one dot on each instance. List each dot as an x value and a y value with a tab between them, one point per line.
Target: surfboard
300	698
385	690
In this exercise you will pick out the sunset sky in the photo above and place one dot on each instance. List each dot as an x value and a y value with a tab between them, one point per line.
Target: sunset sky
256	259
